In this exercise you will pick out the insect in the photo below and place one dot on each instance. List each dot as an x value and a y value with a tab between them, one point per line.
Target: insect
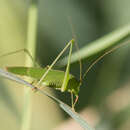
59	80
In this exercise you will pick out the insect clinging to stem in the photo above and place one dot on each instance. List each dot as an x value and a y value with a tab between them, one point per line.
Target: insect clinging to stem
59	80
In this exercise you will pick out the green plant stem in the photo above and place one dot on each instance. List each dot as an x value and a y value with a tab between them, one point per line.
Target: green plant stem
99	45
31	45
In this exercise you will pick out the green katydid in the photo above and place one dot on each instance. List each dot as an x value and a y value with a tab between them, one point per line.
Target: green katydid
60	80
49	77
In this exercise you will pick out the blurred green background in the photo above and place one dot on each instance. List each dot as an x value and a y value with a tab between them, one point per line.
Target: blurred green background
106	88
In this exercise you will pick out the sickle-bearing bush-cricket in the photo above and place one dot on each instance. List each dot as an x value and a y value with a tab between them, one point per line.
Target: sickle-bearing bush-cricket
48	77
57	79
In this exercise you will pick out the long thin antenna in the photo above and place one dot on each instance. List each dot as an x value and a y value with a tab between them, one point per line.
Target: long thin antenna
76	45
20	50
106	53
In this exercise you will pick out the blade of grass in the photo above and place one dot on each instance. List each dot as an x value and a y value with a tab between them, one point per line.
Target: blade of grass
31	46
99	45
62	105
76	116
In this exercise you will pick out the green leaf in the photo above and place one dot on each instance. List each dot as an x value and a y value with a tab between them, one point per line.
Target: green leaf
99	45
76	116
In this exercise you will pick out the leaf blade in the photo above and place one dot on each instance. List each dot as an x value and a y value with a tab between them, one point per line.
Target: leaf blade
98	45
